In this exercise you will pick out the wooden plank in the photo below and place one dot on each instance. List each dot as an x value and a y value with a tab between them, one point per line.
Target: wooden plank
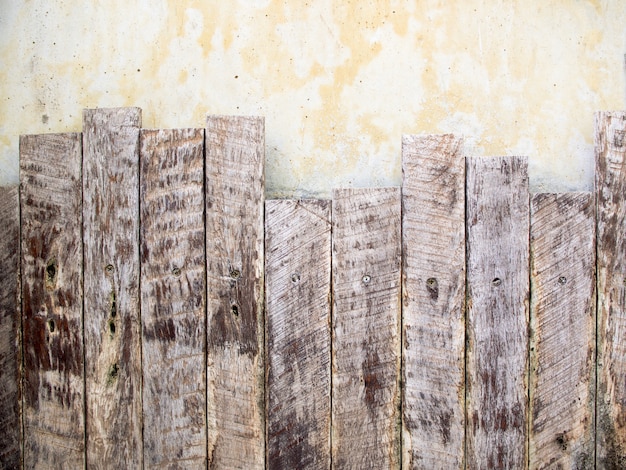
298	264
366	351
235	158
51	246
497	312
433	316
563	322
173	298
112	320
10	346
610	150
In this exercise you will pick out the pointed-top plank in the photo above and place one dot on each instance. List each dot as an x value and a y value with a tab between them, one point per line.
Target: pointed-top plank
235	189
433	317
610	150
497	312
52	301
112	320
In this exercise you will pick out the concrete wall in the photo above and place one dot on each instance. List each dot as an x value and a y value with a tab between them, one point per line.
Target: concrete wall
339	82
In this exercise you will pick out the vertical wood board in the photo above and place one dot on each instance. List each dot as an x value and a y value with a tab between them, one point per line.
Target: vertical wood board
562	348
366	263
610	150
10	323
51	266
433	316
497	311
112	317
298	264
235	189
173	297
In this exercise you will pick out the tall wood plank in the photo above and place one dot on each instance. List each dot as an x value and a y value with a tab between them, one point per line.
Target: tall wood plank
10	322
563	323
298	265
366	316
235	158
173	298
610	149
497	312
53	387
112	320
433	315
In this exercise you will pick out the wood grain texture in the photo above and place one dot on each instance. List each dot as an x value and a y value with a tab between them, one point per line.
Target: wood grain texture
235	189
366	352
563	323
610	150
298	264
433	316
497	312
10	324
112	318
173	298
51	265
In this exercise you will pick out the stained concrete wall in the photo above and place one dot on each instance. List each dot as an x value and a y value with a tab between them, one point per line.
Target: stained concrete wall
339	82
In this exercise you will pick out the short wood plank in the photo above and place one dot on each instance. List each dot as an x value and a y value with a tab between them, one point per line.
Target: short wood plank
10	323
610	150
497	312
112	320
433	315
235	157
52	301
563	323
173	298
298	279
366	328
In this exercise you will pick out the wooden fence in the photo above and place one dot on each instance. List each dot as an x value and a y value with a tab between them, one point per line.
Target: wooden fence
157	312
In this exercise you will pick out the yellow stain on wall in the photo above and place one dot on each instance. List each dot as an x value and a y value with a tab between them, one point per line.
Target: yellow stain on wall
339	82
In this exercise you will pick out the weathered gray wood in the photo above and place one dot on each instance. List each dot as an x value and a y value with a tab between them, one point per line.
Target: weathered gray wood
173	298
235	158
298	268
433	224
563	322
51	266
112	320
497	312
610	149
10	347
366	316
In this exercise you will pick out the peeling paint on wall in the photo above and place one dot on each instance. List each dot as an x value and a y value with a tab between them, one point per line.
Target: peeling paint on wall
339	82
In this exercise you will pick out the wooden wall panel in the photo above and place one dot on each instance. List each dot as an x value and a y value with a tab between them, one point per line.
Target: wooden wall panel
433	314
610	147
235	190
497	312
112	317
366	328
563	324
298	267
173	293
52	275
10	330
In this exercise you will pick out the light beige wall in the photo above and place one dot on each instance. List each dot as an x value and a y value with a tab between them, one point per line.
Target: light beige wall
339	82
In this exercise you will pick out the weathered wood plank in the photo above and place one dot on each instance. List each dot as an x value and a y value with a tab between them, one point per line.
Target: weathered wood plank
173	298
112	318
10	323
51	265
235	158
366	350
433	316
610	150
563	323
497	312
298	279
